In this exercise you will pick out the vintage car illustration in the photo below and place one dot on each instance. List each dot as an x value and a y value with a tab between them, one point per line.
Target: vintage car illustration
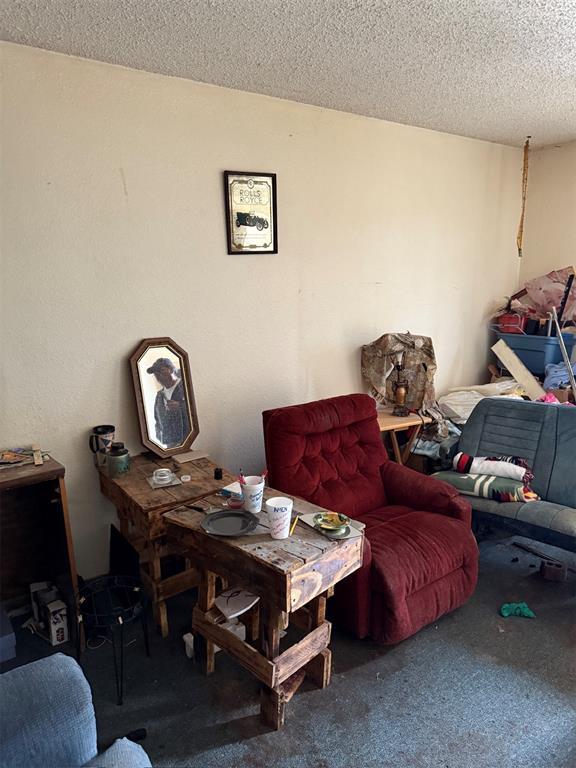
251	220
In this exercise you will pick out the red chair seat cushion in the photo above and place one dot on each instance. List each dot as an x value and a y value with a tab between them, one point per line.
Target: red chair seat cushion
423	566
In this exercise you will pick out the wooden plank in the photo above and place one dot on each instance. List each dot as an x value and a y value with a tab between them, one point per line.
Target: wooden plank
316	578
288	688
270	620
250	658
518	370
272	708
319	670
180	582
204	650
28	474
300	549
298	655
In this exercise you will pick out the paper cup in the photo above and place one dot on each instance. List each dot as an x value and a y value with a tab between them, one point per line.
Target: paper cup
252	493
279	511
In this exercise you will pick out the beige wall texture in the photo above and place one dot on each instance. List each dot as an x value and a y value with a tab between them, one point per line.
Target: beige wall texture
550	233
114	230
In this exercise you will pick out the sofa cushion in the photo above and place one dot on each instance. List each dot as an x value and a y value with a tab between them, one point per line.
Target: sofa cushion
544	514
382	515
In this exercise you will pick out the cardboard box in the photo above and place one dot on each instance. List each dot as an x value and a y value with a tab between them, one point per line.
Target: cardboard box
55	620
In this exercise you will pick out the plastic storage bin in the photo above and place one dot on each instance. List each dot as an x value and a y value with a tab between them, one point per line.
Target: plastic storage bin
536	352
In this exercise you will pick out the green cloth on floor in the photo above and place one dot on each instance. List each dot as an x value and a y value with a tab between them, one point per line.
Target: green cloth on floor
516	609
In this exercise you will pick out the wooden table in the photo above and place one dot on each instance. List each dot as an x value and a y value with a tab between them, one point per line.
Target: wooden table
35	536
140	510
293	577
390	424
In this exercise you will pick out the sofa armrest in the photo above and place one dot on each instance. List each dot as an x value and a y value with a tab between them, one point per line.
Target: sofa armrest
46	715
122	754
405	486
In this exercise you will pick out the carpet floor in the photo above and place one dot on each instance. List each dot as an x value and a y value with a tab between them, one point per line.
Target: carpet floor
474	690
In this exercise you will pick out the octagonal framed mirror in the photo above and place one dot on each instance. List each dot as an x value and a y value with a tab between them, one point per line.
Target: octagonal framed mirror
164	396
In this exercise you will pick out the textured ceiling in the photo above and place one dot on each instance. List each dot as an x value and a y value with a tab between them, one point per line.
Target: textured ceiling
491	69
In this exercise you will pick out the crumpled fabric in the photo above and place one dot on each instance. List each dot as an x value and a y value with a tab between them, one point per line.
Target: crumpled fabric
517	609
557	374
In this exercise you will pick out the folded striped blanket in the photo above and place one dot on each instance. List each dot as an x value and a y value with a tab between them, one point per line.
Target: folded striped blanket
488	486
502	466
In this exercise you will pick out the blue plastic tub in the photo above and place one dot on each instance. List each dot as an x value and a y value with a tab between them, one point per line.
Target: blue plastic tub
537	351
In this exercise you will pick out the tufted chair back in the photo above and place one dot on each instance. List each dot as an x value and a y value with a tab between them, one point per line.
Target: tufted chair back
328	452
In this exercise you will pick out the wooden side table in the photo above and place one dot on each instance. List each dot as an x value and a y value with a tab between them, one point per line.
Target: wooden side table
390	425
140	510
293	577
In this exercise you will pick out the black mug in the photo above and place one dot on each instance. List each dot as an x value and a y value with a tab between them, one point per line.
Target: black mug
100	441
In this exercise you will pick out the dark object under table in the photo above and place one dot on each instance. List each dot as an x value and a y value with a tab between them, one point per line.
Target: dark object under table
106	605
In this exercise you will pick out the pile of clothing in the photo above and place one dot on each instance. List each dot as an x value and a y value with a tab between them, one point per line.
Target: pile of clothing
499	478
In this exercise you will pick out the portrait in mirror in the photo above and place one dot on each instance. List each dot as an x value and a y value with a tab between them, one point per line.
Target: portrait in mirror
164	396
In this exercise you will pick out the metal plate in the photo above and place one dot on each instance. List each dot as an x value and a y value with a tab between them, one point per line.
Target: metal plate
229	522
330	521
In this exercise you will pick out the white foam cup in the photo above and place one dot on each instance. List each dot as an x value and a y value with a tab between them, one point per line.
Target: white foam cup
279	510
252	493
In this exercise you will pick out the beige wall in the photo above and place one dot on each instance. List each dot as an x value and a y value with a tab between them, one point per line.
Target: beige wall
113	230
550	234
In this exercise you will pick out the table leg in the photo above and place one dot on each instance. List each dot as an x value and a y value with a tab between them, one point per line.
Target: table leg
319	669
272	707
395	447
251	620
159	606
272	701
203	648
410	444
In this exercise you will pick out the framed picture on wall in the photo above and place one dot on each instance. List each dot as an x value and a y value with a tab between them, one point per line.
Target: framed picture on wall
251	212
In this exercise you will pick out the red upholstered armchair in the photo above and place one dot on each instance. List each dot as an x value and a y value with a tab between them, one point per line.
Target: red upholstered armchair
420	557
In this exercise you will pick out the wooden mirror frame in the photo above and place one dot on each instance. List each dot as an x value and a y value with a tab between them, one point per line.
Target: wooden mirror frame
164	341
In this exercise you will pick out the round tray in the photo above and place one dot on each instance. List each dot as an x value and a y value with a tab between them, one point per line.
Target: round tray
229	522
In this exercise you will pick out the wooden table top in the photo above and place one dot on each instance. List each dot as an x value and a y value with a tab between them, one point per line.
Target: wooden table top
389	423
134	485
289	571
29	474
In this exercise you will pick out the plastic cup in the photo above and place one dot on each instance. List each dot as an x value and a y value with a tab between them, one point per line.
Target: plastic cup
253	493
279	510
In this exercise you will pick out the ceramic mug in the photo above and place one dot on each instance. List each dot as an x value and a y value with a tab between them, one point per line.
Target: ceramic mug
100	441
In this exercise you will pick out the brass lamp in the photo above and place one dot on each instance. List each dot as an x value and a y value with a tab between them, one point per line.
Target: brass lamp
400	387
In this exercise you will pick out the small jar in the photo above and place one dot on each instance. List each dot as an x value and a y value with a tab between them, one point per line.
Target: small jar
118	460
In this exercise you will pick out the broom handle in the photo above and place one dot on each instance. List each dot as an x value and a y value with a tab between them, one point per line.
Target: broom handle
564	353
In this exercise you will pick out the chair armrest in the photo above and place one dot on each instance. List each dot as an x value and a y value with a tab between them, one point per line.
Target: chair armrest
405	486
46	715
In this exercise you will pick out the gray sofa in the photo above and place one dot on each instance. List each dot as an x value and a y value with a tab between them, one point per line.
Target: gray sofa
545	435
